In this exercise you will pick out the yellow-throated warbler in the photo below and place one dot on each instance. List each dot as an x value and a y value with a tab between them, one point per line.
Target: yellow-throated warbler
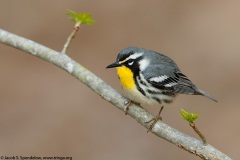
151	78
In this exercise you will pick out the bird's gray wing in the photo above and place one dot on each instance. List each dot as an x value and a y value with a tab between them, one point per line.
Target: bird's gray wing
169	79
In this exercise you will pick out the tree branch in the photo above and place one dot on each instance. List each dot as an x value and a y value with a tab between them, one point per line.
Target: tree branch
160	129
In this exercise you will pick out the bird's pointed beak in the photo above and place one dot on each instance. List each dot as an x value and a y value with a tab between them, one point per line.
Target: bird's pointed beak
113	65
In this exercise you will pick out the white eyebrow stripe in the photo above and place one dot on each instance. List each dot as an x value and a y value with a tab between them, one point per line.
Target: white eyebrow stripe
134	56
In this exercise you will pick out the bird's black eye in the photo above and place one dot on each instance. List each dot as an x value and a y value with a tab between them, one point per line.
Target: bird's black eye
130	62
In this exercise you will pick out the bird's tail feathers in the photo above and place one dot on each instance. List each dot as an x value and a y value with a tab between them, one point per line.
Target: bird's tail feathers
201	92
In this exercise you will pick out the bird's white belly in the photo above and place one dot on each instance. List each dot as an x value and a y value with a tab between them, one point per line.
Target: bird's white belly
138	97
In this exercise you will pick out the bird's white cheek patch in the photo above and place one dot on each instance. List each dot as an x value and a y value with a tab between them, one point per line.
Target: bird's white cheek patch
143	64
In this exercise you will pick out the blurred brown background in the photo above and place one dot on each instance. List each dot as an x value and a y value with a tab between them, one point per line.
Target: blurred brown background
46	112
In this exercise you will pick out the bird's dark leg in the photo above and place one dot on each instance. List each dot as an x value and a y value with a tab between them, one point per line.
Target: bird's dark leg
155	119
128	105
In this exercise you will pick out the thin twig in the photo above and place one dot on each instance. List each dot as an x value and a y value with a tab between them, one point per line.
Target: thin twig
160	129
71	36
192	124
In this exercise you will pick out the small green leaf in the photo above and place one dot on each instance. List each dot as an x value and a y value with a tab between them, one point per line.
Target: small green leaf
190	117
82	18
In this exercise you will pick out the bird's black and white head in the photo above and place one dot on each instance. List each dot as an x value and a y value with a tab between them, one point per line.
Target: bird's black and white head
132	58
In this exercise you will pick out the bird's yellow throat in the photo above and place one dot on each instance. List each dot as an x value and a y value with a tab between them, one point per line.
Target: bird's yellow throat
126	77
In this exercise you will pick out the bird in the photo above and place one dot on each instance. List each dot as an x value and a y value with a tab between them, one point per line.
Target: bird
151	78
